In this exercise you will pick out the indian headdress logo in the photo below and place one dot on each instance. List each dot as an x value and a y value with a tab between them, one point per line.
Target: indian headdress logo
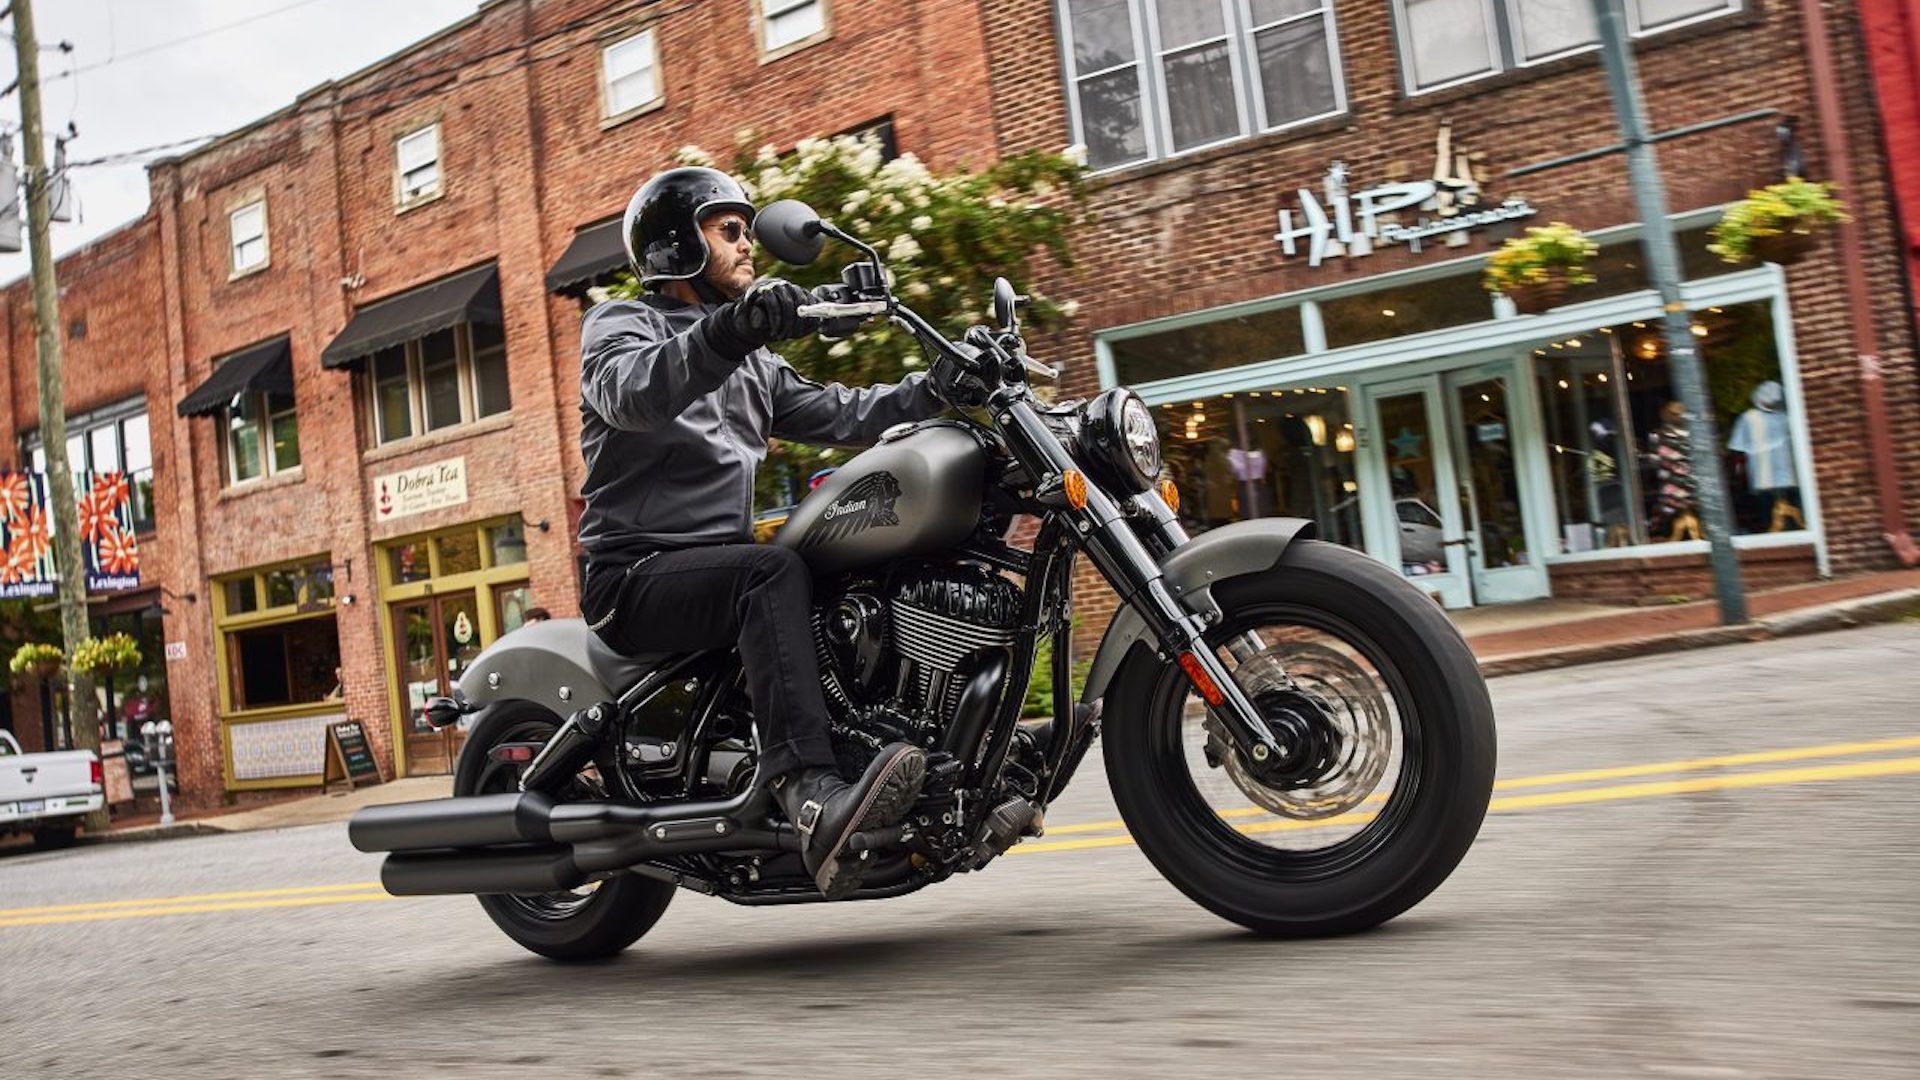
868	503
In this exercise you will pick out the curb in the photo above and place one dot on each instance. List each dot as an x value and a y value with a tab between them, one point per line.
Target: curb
144	833
1839	615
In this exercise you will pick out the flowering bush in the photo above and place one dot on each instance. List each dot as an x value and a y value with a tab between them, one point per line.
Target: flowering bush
1794	206
36	658
945	237
115	652
1545	253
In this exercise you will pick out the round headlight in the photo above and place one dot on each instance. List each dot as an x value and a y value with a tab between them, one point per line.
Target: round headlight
1122	445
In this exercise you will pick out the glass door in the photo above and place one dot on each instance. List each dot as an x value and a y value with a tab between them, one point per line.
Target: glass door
1486	434
435	638
1420	527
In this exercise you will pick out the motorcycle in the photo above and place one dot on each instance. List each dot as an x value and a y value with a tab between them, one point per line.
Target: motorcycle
1296	736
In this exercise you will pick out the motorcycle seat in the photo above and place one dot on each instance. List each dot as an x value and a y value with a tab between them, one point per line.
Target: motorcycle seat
615	671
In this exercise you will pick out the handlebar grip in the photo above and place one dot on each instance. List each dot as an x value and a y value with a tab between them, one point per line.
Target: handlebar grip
833	310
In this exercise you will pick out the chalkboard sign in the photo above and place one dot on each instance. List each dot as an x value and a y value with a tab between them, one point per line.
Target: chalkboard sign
349	757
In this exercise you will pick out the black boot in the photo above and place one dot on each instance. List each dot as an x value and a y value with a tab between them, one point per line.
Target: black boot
828	811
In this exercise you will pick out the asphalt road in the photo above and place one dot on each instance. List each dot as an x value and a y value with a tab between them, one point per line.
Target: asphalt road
1674	914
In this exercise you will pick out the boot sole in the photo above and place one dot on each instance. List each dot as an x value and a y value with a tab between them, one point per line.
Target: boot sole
889	800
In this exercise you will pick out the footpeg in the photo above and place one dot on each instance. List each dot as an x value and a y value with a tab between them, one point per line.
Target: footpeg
864	844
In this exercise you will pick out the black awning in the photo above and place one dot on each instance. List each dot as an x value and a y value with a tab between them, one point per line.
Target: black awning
267	366
473	296
596	250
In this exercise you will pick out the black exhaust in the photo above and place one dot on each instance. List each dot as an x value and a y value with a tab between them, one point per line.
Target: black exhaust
478	821
528	870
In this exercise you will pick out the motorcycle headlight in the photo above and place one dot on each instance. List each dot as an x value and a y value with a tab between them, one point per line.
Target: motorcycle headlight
1122	445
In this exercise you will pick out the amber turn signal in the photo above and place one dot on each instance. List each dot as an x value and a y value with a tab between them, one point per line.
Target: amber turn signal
1202	681
1170	494
1075	483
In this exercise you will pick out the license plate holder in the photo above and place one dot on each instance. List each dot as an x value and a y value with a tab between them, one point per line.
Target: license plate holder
31	806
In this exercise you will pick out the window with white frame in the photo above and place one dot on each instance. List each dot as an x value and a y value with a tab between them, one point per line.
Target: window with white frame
785	22
113	439
449	377
418	154
1153	78
628	79
247	231
1444	42
262	435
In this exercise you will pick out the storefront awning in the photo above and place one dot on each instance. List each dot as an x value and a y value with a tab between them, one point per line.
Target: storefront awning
473	296
267	366
596	250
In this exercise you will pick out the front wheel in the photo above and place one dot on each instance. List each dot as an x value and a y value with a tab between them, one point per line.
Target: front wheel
593	922
1389	757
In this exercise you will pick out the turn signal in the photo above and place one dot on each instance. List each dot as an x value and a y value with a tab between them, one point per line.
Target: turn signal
1202	681
1170	494
1075	483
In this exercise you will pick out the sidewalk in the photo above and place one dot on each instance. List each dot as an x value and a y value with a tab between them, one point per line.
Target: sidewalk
1508	639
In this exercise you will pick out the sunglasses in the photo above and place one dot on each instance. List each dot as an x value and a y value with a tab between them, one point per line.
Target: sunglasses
732	229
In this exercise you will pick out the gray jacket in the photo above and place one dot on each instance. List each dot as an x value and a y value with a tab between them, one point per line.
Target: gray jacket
673	432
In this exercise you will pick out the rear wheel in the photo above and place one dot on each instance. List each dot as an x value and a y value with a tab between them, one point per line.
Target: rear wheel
1389	755
55	837
592	922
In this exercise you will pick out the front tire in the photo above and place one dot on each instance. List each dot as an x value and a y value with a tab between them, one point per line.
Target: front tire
589	924
1420	809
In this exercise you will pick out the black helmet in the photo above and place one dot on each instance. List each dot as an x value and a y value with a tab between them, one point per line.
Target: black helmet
662	225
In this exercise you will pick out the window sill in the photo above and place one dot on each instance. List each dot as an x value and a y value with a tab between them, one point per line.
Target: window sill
768	56
456	433
283	478
260	267
1684	548
405	205
284	712
607	123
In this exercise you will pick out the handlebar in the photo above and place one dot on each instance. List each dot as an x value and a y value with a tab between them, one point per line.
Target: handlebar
826	309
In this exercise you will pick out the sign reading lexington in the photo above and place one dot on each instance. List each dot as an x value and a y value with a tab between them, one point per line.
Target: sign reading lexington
419	489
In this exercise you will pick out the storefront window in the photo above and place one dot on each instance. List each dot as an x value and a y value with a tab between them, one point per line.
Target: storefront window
459	552
242	596
410	562
1623	469
1212	346
508	542
1405	309
1286	453
279	642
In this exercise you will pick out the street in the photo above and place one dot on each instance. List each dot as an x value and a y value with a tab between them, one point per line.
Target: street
1730	888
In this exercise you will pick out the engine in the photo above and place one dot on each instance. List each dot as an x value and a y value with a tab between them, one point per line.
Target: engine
921	657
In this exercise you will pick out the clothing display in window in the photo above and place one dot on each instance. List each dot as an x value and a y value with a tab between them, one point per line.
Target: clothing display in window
1674	483
1763	435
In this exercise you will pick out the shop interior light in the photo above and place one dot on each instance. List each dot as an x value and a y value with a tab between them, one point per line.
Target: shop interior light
1343	442
1603	376
1716	310
1340	389
1349	486
1387	311
1606	329
1639	326
1563	384
1699	330
1573	343
1317	425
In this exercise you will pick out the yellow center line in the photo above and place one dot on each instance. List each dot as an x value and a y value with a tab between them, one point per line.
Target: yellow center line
369	891
1620	772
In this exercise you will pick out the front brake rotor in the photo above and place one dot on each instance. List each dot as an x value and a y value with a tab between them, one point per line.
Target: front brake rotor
1349	727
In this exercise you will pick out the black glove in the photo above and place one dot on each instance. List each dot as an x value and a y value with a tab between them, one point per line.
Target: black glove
767	312
956	384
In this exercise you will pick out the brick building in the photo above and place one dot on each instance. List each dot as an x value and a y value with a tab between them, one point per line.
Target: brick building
353	383
1295	201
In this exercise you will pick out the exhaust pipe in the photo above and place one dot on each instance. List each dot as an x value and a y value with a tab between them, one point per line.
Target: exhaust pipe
435	873
477	821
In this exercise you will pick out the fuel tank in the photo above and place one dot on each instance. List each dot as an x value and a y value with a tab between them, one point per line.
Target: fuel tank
916	493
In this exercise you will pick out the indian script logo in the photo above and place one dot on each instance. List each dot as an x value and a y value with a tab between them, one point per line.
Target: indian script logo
865	505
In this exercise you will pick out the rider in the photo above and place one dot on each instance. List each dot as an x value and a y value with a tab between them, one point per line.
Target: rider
679	394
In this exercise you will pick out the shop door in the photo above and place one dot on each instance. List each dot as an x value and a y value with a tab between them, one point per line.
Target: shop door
1456	523
435	639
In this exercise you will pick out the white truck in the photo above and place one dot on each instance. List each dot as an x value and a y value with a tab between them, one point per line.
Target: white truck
47	794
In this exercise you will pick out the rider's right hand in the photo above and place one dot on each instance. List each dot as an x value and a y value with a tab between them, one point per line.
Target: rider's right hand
767	312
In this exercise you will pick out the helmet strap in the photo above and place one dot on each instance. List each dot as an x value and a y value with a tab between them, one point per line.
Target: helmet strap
706	290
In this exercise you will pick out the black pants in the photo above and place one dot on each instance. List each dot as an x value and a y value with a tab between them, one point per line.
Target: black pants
753	595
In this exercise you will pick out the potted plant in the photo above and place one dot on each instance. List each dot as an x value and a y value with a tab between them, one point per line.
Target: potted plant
1536	270
1778	223
104	656
36	659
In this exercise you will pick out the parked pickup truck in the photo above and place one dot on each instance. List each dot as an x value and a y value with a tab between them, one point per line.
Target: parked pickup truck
46	794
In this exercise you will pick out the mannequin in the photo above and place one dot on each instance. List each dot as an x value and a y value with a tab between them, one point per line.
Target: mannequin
1762	434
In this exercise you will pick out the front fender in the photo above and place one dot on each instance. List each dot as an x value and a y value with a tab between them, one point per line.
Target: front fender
1192	570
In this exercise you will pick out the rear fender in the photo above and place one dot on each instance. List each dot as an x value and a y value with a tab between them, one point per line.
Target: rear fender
546	663
1192	570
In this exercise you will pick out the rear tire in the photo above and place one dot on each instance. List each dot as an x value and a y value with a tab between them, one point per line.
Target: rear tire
55	837
1402	850
560	926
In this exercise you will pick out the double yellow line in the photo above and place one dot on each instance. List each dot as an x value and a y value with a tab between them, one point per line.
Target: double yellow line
1569	795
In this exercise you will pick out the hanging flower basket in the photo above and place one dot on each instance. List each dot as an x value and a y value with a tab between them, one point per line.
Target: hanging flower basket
1779	223
1537	270
37	660
104	656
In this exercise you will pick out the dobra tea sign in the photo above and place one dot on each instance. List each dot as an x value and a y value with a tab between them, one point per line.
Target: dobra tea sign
419	489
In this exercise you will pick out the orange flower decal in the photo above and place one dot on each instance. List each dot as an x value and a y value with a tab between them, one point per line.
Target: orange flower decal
15	495
20	563
119	554
96	515
110	488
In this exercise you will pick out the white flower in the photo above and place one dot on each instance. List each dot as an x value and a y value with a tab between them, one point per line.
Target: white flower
1076	154
599	294
1070	308
921	223
904	247
693	155
918	290
912	360
839	349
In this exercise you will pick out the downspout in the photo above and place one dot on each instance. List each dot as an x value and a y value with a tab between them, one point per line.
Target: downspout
1886	474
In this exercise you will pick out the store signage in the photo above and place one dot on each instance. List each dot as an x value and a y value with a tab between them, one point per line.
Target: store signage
107	545
417	490
1354	223
176	651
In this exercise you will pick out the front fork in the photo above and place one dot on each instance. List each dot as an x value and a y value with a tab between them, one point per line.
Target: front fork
1109	540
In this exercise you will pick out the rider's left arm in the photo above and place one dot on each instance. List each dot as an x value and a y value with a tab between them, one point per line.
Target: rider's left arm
836	415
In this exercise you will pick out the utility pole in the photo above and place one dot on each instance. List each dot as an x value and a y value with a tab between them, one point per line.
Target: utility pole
1663	262
64	513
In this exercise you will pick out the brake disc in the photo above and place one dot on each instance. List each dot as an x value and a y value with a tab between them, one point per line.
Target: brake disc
1352	703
